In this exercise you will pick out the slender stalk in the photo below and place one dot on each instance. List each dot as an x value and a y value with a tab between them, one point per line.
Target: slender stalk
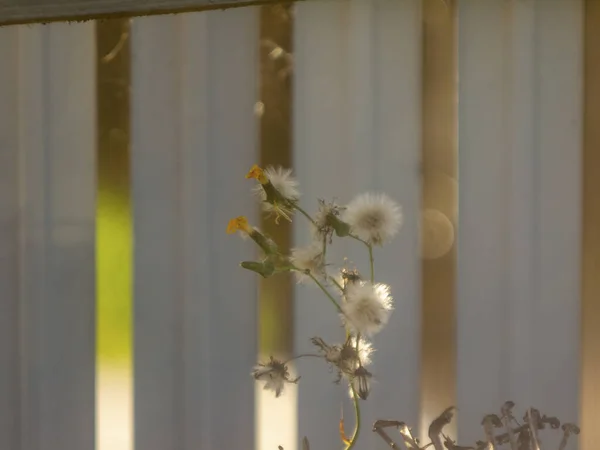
334	281
357	414
304	213
371	259
304	355
372	263
326	292
355	237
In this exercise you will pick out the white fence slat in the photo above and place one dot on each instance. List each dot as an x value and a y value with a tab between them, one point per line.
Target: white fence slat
9	243
57	132
357	128
48	233
194	137
560	136
520	115
483	171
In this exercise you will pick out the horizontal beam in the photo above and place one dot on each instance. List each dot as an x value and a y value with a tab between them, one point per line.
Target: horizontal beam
19	11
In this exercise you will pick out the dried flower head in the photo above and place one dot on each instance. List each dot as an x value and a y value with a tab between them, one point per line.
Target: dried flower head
374	218
361	382
346	358
277	190
367	307
324	220
345	277
309	260
350	277
275	374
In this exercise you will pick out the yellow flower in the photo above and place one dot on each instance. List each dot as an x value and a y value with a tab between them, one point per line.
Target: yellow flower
257	173
239	224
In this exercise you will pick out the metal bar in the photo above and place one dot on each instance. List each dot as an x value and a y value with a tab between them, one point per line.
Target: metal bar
18	12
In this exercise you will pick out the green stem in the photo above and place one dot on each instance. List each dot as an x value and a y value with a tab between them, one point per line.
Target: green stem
304	355
353	236
357	414
334	281
371	259
372	263
304	213
326	292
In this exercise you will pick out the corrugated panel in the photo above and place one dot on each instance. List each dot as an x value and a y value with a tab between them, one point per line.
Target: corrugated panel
520	135
357	128
194	137
48	236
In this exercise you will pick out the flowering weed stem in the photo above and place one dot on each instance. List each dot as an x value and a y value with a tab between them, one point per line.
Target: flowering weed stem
327	293
303	355
304	213
357	414
334	281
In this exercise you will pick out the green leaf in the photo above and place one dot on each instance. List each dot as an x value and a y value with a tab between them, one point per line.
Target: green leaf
264	268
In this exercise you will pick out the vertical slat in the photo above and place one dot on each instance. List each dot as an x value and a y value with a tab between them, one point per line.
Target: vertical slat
56	131
9	243
481	235
590	388
320	143
560	83
520	120
520	66
276	417
396	151
357	128
195	330
155	176
590	394
439	211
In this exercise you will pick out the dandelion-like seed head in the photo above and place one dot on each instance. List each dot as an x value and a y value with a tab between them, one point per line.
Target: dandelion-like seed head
322	227
374	218
309	260
346	358
365	350
275	374
367	308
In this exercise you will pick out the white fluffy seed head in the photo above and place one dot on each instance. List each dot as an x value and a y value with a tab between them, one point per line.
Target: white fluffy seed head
367	308
321	228
374	218
309	258
283	181
365	350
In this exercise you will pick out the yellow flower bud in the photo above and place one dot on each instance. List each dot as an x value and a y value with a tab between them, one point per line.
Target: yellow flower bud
257	173
239	224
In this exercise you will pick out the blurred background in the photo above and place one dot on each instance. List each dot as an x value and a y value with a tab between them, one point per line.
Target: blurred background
343	61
